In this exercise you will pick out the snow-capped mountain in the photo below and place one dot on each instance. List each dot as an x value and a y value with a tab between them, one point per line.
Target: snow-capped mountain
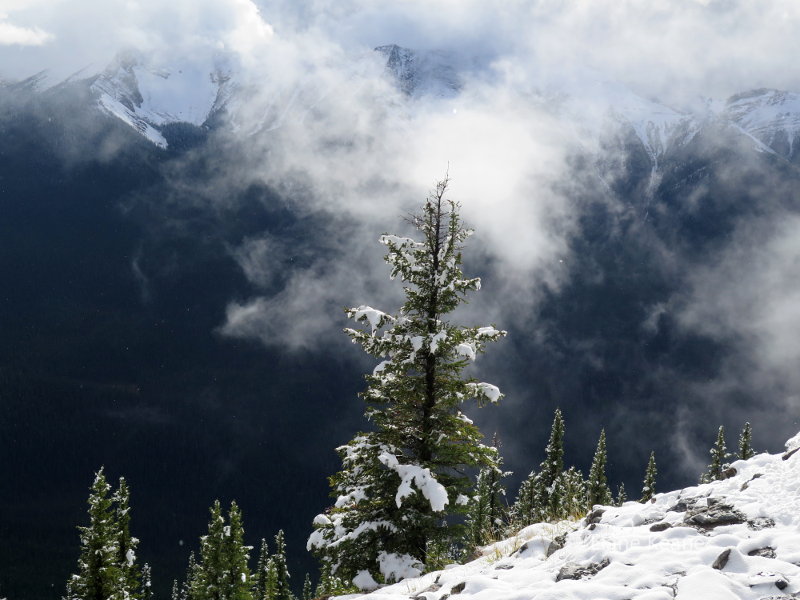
736	539
771	116
419	73
147	98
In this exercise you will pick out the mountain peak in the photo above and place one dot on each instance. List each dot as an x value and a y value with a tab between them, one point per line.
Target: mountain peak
421	73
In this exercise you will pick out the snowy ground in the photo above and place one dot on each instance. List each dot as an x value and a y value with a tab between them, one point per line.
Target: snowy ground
728	540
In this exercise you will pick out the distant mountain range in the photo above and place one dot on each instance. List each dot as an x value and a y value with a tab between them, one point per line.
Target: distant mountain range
148	98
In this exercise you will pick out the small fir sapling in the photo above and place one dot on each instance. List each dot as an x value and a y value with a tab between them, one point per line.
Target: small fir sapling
649	485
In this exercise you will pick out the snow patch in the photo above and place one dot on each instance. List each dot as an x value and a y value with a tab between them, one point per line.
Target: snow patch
395	567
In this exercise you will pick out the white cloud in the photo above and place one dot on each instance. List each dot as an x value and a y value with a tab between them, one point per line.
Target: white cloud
12	35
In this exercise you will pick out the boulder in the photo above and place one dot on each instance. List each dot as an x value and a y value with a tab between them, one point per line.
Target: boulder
576	571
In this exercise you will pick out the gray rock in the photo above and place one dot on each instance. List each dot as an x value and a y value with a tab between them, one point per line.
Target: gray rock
576	571
760	523
660	526
683	505
556	545
715	515
458	588
728	473
595	516
722	560
746	484
789	454
434	587
766	552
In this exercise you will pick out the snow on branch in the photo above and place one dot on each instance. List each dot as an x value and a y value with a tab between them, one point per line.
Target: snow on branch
485	391
421	477
373	316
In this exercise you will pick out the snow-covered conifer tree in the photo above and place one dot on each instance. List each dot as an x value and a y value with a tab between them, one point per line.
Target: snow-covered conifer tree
260	576
401	483
282	589
237	556
719	456
191	572
526	510
487	512
597	491
746	443
101	570
147	583
572	495
308	589
126	544
222	572
649	486
552	467
622	497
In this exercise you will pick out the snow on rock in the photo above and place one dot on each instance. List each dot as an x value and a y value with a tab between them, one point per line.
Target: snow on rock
421	477
736	539
793	443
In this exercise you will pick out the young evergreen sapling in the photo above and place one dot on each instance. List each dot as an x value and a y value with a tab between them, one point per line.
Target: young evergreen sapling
649	485
598	491
282	589
622	497
719	454
746	443
147	583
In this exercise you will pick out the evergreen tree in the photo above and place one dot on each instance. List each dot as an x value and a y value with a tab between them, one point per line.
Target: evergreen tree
271	581
191	572
101	574
746	443
598	491
175	595
147	583
126	544
622	497
649	486
401	483
260	576
282	589
308	590
237	556
573	494
526	509
719	454
487	512
222	572
551	493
